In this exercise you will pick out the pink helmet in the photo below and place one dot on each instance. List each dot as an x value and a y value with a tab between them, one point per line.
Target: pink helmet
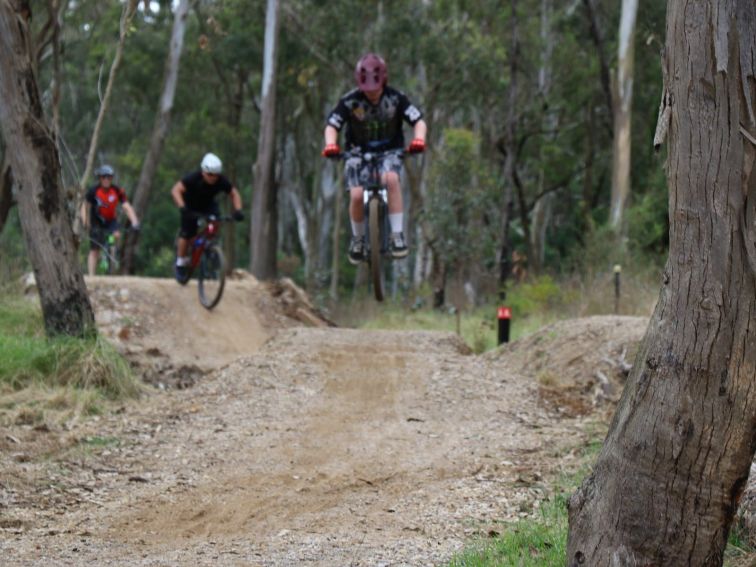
370	72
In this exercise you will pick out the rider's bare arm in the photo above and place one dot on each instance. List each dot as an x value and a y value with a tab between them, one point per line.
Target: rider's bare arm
131	214
331	135
236	199
421	129
178	194
85	214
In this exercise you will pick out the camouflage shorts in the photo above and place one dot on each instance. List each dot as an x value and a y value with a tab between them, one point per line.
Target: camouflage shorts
356	174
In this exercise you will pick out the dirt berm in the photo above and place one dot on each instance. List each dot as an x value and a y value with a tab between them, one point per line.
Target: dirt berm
163	330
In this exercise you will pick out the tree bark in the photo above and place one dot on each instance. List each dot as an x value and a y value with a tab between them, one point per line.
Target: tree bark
159	131
677	457
34	159
623	102
263	232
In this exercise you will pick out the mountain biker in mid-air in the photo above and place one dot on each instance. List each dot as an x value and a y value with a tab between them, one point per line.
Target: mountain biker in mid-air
99	212
195	196
373	114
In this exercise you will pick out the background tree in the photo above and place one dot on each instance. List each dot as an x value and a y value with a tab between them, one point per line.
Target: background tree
623	103
159	132
264	230
33	155
675	462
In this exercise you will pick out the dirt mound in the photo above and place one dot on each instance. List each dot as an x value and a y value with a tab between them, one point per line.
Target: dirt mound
164	331
579	364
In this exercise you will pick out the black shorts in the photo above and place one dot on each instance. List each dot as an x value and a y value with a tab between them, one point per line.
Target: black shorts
99	232
189	220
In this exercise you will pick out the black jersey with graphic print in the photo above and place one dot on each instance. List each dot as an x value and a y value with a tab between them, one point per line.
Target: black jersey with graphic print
374	126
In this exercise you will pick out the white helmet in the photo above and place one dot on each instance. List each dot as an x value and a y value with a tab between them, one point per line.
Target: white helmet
212	164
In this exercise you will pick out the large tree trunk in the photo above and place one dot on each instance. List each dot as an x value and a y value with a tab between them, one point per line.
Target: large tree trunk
623	102
33	155
159	131
677	456
263	232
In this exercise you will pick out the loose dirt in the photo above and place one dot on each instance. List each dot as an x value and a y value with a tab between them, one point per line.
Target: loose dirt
293	445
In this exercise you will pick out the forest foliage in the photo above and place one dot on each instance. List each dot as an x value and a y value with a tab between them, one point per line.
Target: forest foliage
452	57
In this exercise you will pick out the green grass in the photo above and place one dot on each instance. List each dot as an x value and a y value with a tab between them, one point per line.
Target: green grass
37	373
534	304
540	542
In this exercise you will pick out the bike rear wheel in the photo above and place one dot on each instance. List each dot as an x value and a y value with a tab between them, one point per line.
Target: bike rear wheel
374	228
211	277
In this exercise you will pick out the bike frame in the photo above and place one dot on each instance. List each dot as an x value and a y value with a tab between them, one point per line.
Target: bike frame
205	235
374	189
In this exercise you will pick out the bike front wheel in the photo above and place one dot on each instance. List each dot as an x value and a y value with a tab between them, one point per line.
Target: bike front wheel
374	228
211	277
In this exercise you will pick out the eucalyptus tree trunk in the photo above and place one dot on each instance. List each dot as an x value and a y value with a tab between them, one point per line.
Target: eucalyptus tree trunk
263	232
677	457
33	156
127	15
159	131
510	153
542	206
623	102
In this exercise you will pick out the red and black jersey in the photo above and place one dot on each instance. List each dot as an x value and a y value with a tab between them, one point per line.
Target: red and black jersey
374	126
105	202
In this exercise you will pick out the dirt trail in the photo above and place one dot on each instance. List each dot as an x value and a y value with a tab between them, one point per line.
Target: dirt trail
325	447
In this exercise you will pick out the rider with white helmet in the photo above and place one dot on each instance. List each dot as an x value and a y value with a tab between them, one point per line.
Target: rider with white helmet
195	197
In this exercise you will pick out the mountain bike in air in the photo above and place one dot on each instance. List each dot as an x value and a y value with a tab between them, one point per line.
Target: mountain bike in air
207	260
378	229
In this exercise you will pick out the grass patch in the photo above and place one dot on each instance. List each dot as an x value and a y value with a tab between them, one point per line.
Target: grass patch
38	374
535	304
541	542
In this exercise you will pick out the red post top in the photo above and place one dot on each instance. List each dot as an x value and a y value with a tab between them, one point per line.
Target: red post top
505	312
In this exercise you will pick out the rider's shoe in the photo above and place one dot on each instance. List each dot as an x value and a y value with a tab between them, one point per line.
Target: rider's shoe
357	250
398	245
182	274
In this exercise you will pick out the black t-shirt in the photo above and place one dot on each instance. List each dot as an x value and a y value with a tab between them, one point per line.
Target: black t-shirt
374	126
200	195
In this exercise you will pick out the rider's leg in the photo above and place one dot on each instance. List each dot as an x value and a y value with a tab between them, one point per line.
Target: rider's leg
181	258
395	205
396	213
357	217
92	259
357	210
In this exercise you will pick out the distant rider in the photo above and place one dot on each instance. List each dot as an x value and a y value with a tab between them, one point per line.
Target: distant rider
373	114
99	212
195	197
